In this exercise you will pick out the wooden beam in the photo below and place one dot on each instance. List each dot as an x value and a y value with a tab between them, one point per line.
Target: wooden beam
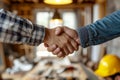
42	5
100	1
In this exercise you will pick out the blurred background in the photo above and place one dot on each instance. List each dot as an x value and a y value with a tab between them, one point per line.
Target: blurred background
24	62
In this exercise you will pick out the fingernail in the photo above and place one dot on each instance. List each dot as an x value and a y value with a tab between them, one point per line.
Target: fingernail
78	41
57	31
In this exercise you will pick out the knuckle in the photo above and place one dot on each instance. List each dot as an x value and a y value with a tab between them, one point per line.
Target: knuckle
58	50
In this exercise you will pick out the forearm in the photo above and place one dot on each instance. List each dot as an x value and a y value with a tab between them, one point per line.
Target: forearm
14	29
101	31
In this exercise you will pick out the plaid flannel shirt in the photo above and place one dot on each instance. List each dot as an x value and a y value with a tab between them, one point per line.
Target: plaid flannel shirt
14	29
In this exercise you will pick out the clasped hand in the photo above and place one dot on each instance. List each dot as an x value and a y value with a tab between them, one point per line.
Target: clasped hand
61	41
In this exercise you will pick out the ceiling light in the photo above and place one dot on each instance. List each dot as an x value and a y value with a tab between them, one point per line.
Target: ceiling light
58	2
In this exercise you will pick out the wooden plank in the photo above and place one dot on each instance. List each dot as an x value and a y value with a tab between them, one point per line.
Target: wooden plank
42	5
2	58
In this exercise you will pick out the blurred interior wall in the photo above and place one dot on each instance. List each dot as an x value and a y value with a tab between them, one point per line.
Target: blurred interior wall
113	46
99	11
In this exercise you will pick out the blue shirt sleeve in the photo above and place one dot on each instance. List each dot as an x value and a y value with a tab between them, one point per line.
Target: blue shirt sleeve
101	31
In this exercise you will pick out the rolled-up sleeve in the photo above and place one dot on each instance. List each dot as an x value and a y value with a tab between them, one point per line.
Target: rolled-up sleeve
83	36
101	31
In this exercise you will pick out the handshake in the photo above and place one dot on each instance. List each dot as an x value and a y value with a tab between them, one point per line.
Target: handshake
61	41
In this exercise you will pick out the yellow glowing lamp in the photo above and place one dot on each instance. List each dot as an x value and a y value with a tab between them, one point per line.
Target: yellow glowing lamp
58	2
55	23
56	20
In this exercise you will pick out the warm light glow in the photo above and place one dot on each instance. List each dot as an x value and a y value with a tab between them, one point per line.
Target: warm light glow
55	23
58	2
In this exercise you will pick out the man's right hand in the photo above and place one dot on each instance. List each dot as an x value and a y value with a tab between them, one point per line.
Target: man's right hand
62	43
58	31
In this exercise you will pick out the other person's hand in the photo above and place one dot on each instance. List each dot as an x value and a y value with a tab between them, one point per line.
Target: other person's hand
62	43
58	31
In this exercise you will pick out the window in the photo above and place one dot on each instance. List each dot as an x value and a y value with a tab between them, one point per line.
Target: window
69	19
42	18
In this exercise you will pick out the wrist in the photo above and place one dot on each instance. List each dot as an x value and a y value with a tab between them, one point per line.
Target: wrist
48	35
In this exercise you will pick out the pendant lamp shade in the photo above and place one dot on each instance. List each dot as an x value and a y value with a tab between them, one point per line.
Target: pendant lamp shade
56	15
56	20
58	2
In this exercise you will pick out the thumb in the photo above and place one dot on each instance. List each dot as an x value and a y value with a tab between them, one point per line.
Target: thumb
58	30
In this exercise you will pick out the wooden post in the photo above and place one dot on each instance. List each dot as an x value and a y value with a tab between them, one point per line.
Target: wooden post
3	4
99	50
102	7
102	11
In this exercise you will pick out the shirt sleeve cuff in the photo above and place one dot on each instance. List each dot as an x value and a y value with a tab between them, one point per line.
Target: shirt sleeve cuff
83	36
38	35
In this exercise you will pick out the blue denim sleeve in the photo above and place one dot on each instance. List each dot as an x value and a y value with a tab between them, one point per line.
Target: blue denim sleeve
101	31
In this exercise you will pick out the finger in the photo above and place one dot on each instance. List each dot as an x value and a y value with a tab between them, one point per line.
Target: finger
70	47
56	51
52	48
61	54
74	44
58	30
66	50
78	41
72	33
